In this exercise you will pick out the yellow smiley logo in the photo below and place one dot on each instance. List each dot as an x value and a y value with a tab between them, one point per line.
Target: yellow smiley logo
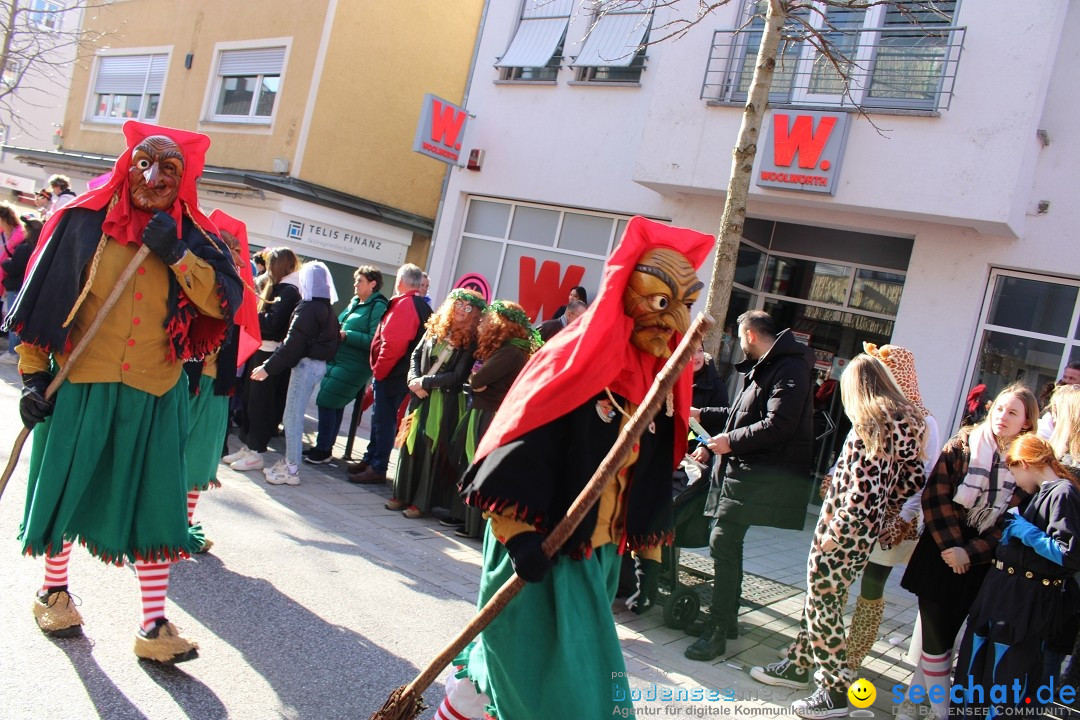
862	693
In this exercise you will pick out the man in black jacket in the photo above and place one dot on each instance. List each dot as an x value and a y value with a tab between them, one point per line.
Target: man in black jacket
765	449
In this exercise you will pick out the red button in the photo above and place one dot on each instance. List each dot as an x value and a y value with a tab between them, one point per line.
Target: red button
135	321
125	366
183	268
142	271
138	296
131	341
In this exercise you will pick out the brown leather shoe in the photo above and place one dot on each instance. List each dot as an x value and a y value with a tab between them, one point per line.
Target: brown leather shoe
356	468
371	476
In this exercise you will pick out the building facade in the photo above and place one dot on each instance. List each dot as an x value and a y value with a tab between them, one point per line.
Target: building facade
310	105
942	219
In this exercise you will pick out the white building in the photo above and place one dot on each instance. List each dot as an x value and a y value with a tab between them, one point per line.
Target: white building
41	97
951	227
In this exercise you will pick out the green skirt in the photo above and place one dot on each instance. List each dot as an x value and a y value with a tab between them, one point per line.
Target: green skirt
553	651
107	470
425	474
209	415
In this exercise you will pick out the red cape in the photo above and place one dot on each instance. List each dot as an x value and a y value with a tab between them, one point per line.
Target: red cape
247	317
595	352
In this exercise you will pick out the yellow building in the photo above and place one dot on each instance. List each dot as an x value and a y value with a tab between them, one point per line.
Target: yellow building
311	106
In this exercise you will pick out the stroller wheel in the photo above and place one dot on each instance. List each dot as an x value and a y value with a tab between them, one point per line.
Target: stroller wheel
681	608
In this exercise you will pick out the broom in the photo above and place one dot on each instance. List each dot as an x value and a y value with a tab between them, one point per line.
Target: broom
114	296
407	702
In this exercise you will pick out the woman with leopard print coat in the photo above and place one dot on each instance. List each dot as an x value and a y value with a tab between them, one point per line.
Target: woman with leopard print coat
879	465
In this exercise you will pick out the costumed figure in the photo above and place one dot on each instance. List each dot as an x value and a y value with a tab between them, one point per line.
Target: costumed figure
1029	590
107	466
506	340
553	429
211	389
879	467
963	505
439	366
900	526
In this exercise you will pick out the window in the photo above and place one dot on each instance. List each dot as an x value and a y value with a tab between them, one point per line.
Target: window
46	14
12	71
1030	331
883	56
128	87
614	51
535	53
248	84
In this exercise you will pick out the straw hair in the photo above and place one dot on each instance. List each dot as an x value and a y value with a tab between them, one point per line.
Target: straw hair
871	400
1033	451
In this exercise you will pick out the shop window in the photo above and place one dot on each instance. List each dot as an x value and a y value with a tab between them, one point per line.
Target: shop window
534	226
247	84
585	233
807	280
1027	334
128	87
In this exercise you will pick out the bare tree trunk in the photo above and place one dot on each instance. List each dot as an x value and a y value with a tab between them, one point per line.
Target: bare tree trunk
742	164
8	30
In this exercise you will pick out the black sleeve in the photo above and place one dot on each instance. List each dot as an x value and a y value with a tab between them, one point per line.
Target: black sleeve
714	417
453	373
1064	520
788	392
274	320
303	331
416	360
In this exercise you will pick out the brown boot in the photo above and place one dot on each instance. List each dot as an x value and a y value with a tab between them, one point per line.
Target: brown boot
56	614
164	645
356	468
865	624
371	476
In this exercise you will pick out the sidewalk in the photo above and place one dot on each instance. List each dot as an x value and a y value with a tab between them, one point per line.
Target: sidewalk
316	601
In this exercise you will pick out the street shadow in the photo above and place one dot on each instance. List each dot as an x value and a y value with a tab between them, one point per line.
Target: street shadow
191	695
317	669
109	700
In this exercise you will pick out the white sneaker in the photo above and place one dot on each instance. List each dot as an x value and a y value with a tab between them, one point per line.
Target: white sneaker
280	475
251	461
233	457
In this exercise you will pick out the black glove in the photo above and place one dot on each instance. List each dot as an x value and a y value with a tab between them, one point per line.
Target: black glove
33	407
528	557
648	576
160	236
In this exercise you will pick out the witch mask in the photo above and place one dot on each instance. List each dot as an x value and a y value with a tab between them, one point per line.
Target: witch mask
157	166
658	297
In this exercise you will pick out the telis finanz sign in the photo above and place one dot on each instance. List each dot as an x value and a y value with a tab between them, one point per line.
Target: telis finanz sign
803	150
441	130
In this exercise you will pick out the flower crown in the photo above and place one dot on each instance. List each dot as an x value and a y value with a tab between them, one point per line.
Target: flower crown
515	315
470	297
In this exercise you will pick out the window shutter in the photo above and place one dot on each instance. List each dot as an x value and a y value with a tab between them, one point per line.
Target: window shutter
614	40
122	74
264	61
543	25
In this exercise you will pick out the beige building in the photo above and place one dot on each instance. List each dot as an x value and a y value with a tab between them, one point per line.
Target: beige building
311	106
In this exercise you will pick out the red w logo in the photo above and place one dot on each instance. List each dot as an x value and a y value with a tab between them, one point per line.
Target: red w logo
545	292
800	139
446	123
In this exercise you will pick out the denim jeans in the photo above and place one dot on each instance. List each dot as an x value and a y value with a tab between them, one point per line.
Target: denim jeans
389	394
9	302
329	426
306	376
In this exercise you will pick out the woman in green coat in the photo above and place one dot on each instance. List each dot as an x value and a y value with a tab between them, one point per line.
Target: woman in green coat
350	370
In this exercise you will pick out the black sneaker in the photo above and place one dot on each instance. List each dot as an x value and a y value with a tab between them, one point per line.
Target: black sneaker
315	456
824	703
783	674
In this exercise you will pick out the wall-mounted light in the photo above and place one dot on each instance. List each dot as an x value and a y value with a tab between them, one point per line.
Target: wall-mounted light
187	60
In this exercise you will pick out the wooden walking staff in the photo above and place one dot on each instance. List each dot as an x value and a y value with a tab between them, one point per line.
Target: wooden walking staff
121	284
407	702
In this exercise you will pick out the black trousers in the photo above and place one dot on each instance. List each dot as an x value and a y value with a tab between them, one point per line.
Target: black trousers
726	548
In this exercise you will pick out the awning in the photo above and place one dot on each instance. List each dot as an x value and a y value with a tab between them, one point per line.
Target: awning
615	38
543	25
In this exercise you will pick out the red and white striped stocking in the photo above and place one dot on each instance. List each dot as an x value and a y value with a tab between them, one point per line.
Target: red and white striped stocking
56	568
153	585
192	500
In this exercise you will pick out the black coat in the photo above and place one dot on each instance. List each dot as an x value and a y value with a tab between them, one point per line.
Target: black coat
765	478
15	266
314	333
274	320
450	376
709	392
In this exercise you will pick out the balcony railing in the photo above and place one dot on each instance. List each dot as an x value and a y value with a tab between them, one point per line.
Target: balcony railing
872	68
